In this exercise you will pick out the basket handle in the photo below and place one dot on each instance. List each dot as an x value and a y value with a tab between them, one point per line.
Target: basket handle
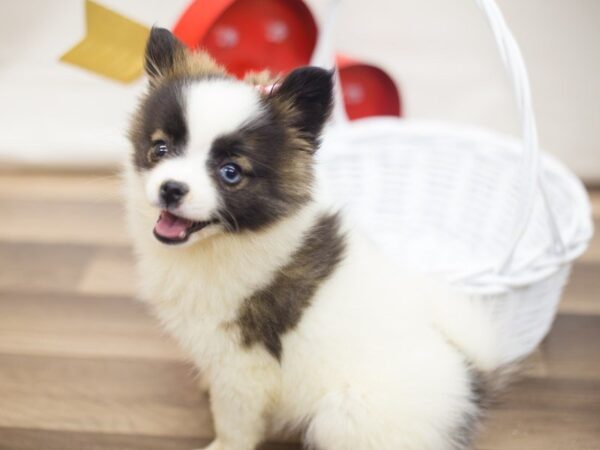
529	170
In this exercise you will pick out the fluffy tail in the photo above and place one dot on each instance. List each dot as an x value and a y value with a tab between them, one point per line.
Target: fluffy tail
469	325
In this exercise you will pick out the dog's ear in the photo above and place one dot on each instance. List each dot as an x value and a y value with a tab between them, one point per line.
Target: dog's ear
305	96
163	51
167	57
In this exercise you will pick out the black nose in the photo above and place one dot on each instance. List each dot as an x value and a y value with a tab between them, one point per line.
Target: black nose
171	192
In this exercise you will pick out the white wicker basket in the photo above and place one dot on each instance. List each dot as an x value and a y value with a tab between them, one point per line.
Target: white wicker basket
490	212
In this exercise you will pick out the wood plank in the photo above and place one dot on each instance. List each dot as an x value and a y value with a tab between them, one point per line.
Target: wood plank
545	413
42	267
572	395
110	272
39	221
80	326
569	351
592	253
33	439
582	293
67	267
53	187
149	397
572	349
595	201
535	366
552	429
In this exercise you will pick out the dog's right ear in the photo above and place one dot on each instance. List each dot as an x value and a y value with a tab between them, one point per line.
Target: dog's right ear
306	96
163	51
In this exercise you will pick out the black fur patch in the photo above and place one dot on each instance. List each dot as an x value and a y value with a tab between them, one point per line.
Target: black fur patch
162	51
162	109
170	68
272	311
485	390
277	150
277	170
167	58
462	437
306	99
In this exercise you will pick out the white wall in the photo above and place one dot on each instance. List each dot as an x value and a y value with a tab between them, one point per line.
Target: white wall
440	51
54	114
443	55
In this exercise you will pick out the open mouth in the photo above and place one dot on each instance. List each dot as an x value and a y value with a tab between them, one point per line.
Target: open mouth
172	229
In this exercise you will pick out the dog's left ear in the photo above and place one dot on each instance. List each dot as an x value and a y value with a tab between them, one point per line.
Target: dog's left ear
306	97
163	50
168	57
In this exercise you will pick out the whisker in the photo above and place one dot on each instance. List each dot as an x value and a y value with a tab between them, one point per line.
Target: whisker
222	220
235	222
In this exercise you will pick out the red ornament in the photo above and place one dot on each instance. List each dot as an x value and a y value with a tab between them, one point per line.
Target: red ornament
244	35
368	90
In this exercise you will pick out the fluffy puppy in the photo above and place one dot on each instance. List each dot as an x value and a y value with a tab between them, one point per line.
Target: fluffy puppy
295	320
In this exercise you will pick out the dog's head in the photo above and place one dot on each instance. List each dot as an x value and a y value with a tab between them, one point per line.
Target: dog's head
216	154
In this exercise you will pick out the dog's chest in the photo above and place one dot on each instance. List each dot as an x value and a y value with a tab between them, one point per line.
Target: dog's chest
203	335
199	305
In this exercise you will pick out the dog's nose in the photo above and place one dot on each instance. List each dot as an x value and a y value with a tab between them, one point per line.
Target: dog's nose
171	192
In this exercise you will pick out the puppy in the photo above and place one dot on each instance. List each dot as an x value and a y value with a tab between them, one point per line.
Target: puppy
295	320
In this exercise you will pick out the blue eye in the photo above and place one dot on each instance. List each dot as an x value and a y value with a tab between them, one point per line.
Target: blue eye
230	173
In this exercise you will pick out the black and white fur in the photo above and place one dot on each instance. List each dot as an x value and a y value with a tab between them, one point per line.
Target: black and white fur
295	321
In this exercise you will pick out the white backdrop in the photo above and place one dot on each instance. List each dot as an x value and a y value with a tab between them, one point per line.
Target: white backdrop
439	51
54	113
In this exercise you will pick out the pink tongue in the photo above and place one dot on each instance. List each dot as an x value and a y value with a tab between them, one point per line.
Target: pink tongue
171	226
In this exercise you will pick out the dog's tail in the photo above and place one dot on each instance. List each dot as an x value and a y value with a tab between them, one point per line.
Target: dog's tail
469	325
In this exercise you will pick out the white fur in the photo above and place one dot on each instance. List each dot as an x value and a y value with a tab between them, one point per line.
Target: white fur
372	365
377	362
216	107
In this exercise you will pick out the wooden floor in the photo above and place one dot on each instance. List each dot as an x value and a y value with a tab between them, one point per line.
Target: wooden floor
83	366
